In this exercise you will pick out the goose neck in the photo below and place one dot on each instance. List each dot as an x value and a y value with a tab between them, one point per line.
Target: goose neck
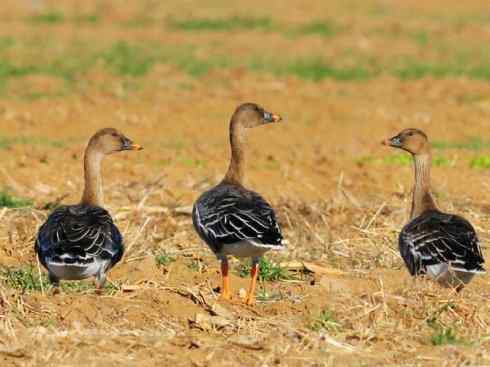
92	193
236	170
422	198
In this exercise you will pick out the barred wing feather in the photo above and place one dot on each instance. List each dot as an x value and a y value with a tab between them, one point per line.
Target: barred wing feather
437	238
79	234
226	217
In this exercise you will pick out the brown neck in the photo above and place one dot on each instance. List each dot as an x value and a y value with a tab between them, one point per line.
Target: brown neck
235	174
92	193
422	198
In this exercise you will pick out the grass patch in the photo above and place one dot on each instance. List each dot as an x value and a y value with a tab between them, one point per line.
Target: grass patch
57	17
110	288
482	162
403	160
397	160
125	59
416	70
25	279
316	69
392	160
421	37
444	336
81	286
6	42
8	70
139	21
163	259
122	58
128	60
87	19
457	68
222	25
268	271
77	286
473	143
195	265
262	295
313	68
34	96
325	28
7	200
7	142
66	68
48	17
439	161
193	163
185	59
137	59
326	320
193	66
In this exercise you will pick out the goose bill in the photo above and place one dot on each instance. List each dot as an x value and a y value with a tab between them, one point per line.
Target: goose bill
129	145
271	117
395	142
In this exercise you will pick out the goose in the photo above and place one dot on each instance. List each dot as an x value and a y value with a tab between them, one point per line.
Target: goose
443	246
233	220
81	241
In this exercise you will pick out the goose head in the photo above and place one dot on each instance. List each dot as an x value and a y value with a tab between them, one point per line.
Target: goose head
110	140
414	141
251	115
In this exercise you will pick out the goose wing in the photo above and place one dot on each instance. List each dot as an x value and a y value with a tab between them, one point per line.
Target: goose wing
79	235
437	238
229	215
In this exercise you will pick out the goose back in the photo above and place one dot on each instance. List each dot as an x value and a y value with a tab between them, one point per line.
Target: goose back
229	215
435	238
79	236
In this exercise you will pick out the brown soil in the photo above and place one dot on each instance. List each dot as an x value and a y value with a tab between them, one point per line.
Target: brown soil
338	209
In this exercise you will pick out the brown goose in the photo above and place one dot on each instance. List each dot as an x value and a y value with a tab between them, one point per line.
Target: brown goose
231	219
80	241
443	246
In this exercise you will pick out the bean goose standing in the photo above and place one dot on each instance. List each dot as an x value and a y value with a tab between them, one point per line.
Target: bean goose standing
80	241
231	219
443	246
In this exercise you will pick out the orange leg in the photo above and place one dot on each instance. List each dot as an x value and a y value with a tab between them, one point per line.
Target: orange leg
226	291
98	289
100	280
254	272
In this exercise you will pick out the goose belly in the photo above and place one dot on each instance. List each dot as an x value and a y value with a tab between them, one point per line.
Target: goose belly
76	271
246	248
448	277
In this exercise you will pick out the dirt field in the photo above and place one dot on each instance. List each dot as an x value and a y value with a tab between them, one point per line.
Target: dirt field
345	75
